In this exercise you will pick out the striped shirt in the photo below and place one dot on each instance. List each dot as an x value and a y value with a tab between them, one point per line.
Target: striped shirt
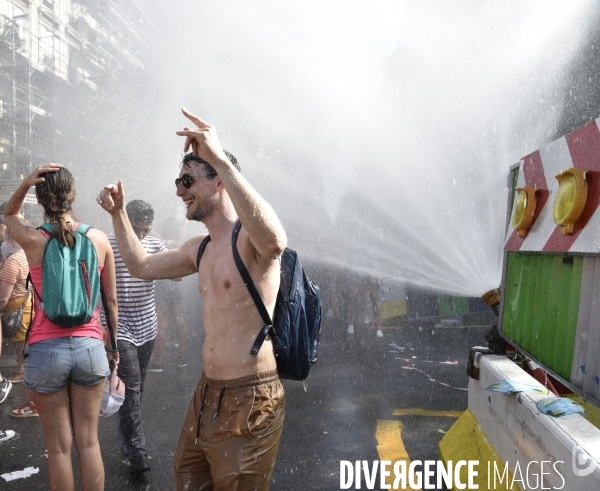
137	314
15	271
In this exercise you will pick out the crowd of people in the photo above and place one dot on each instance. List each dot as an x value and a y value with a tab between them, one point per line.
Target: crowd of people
230	434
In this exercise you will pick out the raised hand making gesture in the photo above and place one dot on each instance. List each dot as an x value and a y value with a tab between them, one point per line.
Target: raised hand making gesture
112	198
203	140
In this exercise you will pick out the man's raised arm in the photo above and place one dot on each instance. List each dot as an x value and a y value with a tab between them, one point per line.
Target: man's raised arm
259	219
173	263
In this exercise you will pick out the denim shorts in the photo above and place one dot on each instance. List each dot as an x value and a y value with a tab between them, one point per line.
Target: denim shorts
52	363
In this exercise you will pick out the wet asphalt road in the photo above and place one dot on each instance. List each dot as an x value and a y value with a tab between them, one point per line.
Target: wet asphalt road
356	382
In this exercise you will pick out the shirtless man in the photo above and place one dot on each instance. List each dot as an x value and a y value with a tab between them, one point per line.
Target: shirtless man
231	432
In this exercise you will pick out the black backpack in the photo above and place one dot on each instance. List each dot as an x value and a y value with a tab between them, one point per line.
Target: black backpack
297	325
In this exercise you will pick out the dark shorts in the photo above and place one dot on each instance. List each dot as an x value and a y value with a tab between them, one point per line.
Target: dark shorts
240	426
52	363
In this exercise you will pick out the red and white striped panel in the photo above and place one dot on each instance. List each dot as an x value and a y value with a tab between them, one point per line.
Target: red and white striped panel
580	149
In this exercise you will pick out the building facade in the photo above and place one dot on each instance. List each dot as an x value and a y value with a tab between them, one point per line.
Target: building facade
54	54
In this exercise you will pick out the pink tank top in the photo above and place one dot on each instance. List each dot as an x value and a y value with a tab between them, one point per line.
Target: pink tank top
42	328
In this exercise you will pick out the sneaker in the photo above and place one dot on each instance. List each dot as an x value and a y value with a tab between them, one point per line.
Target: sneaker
6	435
139	464
5	387
154	368
379	333
27	410
350	329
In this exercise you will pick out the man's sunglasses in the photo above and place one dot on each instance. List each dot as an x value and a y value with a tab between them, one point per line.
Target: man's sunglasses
188	179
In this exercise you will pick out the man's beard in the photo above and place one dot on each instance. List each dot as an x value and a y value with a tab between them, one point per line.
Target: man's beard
199	213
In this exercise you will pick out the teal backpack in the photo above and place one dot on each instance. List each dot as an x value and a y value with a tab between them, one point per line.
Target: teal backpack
70	279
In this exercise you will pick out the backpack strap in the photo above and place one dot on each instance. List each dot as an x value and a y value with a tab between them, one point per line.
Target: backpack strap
260	305
49	229
83	228
27	282
201	250
46	230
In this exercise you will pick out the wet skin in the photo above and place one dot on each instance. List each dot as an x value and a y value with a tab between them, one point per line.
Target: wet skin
231	320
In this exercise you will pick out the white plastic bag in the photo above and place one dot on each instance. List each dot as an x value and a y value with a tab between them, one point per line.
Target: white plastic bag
114	393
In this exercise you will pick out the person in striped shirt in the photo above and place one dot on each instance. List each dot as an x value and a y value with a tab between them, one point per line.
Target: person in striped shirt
13	292
137	331
5	385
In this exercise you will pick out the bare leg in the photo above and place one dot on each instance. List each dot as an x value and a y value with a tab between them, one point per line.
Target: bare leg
18	347
55	415
85	402
4	393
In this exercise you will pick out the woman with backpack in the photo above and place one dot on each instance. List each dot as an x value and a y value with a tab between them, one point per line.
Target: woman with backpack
67	352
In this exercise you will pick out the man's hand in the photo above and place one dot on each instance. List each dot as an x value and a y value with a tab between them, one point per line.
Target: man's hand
112	356
203	140
34	178
112	198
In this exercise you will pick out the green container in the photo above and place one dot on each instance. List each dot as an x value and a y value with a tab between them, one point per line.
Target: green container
541	306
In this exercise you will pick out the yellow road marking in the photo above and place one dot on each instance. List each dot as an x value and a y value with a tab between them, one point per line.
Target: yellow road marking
426	412
390	445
